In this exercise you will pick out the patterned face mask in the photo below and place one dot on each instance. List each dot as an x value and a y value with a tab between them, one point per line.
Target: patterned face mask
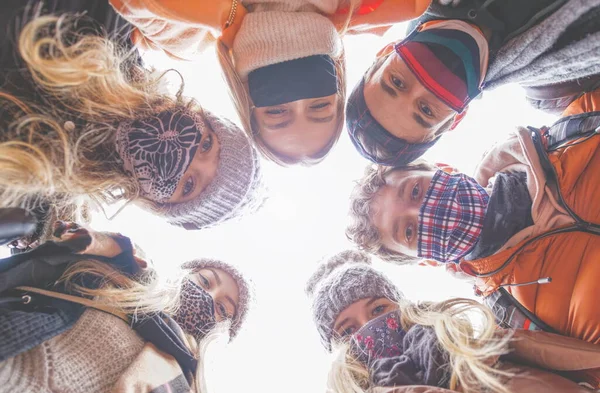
158	150
381	337
451	217
196	313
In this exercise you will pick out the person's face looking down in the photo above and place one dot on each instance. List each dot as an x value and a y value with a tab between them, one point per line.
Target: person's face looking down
395	209
401	104
222	288
356	315
201	171
299	129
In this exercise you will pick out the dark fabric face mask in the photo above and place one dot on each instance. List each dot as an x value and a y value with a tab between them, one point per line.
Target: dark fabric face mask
308	77
381	337
196	313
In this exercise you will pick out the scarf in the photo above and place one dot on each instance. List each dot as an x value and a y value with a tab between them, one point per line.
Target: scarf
396	357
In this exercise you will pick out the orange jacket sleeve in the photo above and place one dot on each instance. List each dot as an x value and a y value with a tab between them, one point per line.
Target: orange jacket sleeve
384	16
182	29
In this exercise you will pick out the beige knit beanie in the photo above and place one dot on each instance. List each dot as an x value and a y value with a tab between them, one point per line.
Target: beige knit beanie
275	36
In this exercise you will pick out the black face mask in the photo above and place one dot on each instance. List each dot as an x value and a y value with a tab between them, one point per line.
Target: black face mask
308	77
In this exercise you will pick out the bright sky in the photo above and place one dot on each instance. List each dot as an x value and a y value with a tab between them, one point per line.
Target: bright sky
278	248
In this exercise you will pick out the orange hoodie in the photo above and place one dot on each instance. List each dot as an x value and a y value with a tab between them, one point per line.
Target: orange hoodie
184	28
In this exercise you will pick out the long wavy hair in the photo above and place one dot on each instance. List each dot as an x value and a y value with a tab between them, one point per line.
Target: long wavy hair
58	146
240	96
472	351
146	295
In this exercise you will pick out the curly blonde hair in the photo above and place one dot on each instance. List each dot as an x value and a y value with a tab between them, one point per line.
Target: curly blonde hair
472	352
59	148
361	230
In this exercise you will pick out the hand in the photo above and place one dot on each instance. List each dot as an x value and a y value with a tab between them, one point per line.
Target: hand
83	241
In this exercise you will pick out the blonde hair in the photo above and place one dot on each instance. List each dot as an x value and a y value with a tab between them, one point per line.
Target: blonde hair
361	230
144	296
243	103
472	352
62	149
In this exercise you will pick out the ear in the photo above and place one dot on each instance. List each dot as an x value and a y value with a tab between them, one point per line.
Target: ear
458	118
386	50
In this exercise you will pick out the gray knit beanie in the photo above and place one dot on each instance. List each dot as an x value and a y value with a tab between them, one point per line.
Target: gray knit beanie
340	281
242	283
236	189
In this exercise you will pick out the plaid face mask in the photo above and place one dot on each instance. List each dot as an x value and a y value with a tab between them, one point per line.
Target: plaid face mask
451	217
381	337
196	313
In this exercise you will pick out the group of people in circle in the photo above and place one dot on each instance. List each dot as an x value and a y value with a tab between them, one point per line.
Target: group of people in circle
86	124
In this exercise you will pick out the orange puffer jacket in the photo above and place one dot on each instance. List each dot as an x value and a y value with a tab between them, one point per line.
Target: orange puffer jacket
554	246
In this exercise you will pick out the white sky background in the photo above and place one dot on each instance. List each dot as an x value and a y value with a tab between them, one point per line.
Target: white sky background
279	247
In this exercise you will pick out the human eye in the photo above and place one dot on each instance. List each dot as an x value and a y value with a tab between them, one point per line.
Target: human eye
415	191
276	111
207	144
427	111
348	331
223	311
188	187
377	310
321	105
409	233
204	281
397	82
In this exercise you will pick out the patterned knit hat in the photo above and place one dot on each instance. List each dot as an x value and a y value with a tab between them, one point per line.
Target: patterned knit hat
342	280
242	283
236	188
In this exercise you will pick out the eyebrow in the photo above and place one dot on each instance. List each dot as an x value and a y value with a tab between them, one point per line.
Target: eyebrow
373	300
387	88
321	120
279	126
215	274
341	324
421	122
235	309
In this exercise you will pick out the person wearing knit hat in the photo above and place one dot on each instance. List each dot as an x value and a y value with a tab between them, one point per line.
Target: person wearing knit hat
122	140
286	70
100	314
420	87
344	290
226	286
384	340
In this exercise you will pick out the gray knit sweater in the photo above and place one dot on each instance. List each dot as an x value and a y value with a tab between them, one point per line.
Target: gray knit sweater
275	31
531	58
86	359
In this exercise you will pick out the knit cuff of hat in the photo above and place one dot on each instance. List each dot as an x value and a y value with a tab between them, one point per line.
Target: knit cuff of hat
342	280
273	37
236	188
243	287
